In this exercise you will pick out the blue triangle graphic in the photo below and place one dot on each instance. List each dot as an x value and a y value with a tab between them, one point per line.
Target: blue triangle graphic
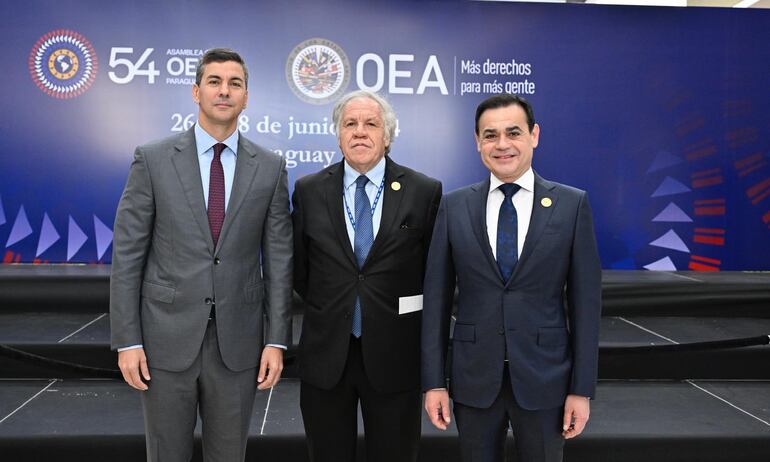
669	187
75	239
672	213
21	228
103	237
671	240
48	236
664	264
664	159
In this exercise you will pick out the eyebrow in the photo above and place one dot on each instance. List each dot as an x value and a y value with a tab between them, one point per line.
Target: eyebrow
215	76
506	129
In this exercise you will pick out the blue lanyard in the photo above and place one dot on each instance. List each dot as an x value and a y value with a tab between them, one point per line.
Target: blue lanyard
374	206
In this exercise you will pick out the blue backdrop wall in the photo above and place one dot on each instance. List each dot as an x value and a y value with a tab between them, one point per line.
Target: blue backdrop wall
662	114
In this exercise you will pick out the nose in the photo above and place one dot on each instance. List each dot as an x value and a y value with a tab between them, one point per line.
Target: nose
502	143
359	130
224	89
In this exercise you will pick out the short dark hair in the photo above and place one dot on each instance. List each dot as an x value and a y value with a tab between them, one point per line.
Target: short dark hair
220	55
505	100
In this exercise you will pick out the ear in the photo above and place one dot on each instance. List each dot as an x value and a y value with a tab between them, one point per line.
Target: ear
478	142
245	99
196	93
535	135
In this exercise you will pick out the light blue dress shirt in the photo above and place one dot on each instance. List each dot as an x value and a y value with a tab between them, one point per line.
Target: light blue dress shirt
205	148
375	175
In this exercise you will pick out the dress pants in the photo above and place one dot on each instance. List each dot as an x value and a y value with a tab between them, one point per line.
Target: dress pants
223	397
537	434
391	420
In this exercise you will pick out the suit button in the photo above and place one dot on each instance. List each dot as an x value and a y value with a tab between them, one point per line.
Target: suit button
501	332
361	277
208	301
216	261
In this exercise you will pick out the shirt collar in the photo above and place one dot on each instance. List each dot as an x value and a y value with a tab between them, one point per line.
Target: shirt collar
375	175
526	181
205	142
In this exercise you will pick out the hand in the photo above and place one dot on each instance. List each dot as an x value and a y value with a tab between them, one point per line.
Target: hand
270	367
437	407
131	363
576	411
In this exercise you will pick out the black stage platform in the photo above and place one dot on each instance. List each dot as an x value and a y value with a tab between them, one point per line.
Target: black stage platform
91	420
653	404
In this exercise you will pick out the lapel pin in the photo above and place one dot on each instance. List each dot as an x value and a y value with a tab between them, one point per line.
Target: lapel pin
546	202
395	186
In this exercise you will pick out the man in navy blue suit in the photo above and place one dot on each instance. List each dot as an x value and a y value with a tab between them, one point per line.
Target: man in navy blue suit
522	251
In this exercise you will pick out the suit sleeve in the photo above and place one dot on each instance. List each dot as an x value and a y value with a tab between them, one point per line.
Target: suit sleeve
584	302
131	242
277	263
438	291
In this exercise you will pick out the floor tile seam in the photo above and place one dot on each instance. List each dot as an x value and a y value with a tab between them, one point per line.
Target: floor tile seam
29	400
267	409
83	327
692	383
714	395
638	326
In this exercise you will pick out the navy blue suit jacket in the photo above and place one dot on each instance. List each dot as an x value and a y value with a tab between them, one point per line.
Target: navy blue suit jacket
546	317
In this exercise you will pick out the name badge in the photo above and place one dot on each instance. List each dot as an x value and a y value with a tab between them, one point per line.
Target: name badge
409	304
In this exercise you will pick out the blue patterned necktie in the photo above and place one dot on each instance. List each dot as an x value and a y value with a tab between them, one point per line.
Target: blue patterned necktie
507	232
362	241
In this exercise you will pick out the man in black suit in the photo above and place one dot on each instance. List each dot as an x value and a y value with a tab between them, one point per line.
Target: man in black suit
522	251
362	229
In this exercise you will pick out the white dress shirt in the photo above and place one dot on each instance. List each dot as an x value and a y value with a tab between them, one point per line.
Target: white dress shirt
522	201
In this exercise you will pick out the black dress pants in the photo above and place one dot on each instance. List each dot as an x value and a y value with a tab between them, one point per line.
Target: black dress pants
391	420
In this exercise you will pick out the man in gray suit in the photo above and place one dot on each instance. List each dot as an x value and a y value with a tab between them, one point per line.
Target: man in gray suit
202	252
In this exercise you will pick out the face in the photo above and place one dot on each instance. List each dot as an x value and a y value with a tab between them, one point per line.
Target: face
505	142
362	134
221	96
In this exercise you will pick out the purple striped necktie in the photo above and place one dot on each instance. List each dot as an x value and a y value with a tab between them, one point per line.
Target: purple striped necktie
216	205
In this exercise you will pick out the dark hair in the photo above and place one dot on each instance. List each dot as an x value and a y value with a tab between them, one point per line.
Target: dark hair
220	55
505	100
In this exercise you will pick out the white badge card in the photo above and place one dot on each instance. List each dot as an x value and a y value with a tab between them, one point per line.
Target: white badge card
409	304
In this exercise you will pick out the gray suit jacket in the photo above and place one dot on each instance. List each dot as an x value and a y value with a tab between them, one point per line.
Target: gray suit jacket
166	272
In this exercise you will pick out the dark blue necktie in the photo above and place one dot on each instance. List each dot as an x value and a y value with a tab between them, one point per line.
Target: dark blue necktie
362	241
507	232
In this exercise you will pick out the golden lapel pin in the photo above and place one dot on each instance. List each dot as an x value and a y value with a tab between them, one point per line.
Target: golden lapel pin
546	202
395	186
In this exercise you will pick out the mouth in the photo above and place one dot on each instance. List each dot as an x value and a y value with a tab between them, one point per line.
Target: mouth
504	156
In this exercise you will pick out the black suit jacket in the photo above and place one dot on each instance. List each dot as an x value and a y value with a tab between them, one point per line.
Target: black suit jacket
328	278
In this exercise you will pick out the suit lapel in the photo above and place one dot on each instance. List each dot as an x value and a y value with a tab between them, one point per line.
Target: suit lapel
477	208
540	217
185	161
391	200
246	167
332	191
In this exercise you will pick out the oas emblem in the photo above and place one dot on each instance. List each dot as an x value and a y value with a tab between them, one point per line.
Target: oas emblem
318	71
63	64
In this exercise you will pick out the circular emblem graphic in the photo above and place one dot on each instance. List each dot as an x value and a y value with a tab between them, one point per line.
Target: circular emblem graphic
318	71
63	64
